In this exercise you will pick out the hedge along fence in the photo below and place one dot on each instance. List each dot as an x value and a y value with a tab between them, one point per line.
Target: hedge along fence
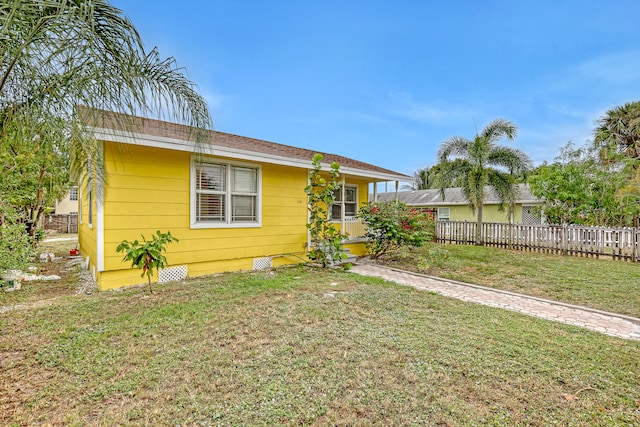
619	243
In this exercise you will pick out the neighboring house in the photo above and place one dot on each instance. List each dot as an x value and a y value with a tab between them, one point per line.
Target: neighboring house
454	207
68	205
234	203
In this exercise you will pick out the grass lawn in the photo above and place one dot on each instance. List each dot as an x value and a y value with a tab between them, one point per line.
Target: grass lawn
301	346
598	283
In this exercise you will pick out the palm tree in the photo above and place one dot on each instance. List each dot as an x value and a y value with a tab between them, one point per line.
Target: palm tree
618	132
480	163
57	54
423	179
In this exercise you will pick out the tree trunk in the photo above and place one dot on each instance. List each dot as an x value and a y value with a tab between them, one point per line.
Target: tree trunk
479	227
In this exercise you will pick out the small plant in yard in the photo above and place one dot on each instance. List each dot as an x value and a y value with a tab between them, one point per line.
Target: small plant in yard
392	225
326	239
435	257
148	254
438	256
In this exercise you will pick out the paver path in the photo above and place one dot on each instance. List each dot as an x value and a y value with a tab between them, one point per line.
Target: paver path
607	323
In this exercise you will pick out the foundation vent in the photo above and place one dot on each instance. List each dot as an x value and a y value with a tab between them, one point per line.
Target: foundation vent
262	263
172	274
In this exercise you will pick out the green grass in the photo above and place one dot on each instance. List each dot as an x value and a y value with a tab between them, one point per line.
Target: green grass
598	283
301	346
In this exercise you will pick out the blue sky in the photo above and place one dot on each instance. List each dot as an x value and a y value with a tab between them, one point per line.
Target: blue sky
386	82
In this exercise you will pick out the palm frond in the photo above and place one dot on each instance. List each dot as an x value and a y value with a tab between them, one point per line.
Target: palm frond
456	146
498	129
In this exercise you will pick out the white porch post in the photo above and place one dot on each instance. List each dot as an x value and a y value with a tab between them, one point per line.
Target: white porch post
397	184
375	191
342	210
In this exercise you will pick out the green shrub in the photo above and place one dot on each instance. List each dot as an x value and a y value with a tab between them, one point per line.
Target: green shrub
392	225
15	248
147	255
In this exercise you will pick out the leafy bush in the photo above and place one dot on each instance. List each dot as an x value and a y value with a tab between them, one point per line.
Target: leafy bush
15	246
147	255
326	239
391	225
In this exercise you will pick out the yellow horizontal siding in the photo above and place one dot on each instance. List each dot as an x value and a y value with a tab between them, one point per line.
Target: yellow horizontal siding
357	249
149	191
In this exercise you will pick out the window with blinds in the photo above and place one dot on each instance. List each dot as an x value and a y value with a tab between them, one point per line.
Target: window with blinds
225	194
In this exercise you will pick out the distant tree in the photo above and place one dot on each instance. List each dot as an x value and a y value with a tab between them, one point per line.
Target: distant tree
618	132
617	138
481	163
431	177
578	189
34	169
423	179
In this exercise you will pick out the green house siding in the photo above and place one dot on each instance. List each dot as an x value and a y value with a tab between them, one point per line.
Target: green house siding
458	209
490	213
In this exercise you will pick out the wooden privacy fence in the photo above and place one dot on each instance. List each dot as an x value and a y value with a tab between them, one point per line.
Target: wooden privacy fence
619	243
61	223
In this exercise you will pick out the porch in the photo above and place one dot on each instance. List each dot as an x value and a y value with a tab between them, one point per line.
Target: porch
354	229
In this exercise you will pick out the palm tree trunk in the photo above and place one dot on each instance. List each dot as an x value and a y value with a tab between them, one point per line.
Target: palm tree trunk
479	226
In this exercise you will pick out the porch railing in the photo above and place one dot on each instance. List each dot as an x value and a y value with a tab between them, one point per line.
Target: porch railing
355	229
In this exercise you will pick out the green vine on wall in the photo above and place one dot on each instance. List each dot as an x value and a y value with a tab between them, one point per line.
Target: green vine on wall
326	240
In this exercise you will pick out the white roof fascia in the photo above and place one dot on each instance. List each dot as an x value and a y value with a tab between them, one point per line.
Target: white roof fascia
190	146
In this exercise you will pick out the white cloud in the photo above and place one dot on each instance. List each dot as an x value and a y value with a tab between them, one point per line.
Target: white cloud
616	69
607	77
403	105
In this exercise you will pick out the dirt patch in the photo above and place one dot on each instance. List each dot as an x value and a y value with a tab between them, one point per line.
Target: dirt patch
74	280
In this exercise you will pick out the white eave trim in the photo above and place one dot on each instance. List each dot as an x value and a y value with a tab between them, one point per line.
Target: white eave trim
190	146
445	203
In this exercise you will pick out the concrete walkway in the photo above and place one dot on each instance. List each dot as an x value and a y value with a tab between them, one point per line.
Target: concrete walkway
60	239
616	325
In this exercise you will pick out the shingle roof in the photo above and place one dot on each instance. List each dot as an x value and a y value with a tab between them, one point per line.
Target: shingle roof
139	125
452	196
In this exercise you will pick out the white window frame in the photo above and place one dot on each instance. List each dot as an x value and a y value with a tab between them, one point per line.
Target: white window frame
442	217
342	203
80	201
73	191
227	193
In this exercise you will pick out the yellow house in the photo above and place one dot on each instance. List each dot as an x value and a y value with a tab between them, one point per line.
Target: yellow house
234	203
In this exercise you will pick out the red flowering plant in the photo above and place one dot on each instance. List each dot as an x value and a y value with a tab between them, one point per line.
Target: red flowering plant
392	225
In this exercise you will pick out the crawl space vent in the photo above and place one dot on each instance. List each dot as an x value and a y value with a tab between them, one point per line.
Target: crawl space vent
172	274
262	263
